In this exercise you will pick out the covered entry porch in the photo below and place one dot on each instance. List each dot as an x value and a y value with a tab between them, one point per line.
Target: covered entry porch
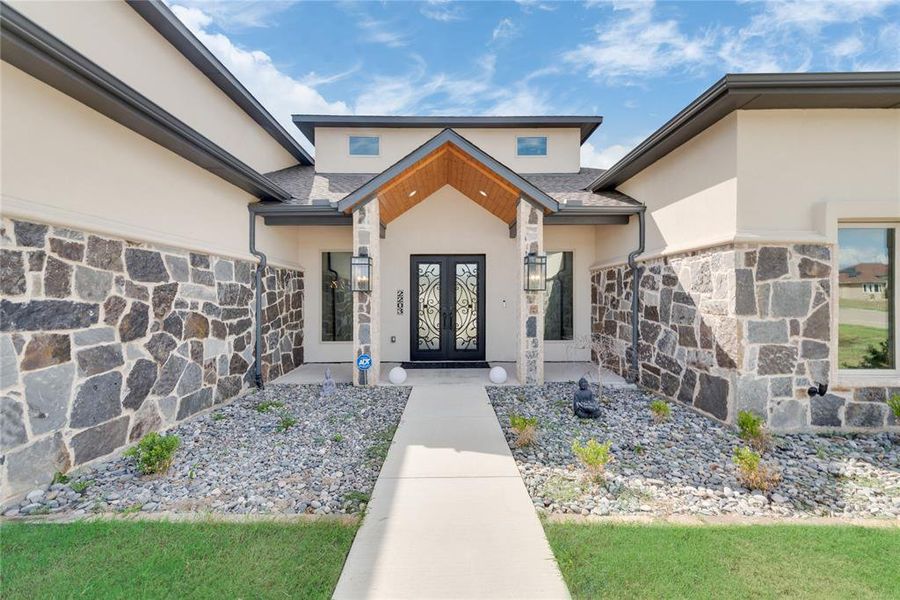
450	262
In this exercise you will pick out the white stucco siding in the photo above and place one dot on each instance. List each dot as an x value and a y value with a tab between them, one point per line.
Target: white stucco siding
66	164
690	194
333	155
790	162
118	39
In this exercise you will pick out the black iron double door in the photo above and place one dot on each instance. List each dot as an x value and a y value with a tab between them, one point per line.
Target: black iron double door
447	298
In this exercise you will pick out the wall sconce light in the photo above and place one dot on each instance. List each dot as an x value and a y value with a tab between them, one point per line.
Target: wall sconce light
361	273
535	273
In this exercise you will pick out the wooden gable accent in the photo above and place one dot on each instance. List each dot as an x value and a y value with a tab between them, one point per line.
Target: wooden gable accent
448	165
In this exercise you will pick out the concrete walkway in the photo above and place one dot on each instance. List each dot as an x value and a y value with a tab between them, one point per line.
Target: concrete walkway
450	516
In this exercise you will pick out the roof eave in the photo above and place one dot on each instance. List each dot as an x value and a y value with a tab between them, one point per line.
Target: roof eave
164	21
29	47
368	189
307	123
734	92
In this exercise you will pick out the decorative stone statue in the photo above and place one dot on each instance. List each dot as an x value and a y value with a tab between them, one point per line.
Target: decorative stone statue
328	386
584	405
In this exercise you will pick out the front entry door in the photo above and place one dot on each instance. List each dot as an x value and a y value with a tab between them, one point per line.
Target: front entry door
447	317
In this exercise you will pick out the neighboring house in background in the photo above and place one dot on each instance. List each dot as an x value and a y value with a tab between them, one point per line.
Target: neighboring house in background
864	281
132	298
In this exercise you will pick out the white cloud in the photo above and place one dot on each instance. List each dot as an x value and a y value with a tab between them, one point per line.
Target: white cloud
504	30
602	159
531	5
444	11
637	44
381	32
849	46
229	14
280	93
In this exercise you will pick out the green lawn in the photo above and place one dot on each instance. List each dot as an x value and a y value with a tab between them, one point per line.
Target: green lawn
133	559
854	340
779	561
880	305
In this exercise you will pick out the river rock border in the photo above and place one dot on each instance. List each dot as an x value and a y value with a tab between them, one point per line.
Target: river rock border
103	340
737	327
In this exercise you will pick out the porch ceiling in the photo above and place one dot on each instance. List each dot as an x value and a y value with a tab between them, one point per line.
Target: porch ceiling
448	165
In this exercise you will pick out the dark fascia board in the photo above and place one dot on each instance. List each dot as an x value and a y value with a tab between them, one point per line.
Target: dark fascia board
164	21
278	213
35	51
756	92
307	123
364	192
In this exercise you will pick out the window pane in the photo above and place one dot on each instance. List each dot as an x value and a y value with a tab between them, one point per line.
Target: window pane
337	299
361	145
866	325
558	297
532	146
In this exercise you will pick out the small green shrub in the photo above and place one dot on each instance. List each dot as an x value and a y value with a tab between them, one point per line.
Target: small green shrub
285	422
661	410
752	473
60	478
219	416
594	455
154	453
355	497
268	405
894	403
80	486
337	438
525	428
752	430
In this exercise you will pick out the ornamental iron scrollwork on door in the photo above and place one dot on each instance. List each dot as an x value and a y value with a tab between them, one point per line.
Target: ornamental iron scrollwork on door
466	306
429	317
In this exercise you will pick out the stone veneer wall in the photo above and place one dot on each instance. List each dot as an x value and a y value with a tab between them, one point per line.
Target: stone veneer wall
738	327
103	340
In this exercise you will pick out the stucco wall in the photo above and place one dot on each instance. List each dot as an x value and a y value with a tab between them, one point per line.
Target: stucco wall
66	164
118	39
790	162
690	194
333	155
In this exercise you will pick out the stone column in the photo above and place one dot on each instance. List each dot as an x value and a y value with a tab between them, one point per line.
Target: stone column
530	327
366	305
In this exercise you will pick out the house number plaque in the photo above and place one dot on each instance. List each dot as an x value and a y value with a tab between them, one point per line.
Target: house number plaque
399	302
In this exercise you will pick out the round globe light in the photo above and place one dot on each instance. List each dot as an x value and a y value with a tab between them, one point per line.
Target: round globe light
397	375
498	375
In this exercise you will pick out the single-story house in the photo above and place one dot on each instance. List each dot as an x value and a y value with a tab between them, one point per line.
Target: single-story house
166	244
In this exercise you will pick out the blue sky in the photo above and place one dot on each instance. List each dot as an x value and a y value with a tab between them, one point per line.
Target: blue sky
635	63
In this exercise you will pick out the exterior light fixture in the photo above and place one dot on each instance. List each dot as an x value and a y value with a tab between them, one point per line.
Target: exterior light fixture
483	193
361	273
413	193
535	272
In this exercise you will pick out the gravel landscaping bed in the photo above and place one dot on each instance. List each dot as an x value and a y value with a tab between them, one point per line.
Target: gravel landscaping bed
237	460
684	465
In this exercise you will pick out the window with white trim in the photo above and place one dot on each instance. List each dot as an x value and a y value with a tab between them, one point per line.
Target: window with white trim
867	298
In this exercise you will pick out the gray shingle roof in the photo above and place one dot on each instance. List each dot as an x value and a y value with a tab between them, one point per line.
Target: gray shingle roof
308	187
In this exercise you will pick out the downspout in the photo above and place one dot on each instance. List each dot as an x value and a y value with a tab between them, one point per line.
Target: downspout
260	268
635	303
